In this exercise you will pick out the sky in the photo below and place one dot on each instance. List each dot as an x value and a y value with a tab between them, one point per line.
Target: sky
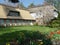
27	2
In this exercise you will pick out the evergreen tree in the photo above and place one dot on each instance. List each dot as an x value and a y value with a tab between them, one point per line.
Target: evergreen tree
56	22
56	3
21	5
31	5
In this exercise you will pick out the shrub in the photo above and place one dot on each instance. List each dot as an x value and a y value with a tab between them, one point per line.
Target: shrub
26	38
36	24
55	23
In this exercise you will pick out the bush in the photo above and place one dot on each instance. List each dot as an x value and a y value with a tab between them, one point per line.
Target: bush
36	24
25	38
55	23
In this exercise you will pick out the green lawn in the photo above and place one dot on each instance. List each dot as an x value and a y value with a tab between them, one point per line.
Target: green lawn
9	33
30	28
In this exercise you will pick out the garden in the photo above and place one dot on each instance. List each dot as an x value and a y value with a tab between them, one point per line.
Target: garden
28	35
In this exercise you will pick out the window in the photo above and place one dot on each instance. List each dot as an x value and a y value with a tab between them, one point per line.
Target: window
17	21
13	13
1	21
13	21
7	21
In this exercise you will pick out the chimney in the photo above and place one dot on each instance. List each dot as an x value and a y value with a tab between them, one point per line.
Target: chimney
12	3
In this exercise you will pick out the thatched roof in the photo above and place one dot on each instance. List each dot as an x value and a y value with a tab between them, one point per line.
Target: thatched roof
4	10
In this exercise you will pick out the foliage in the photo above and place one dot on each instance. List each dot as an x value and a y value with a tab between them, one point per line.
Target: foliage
21	5
56	3
36	24
55	23
31	5
25	38
29	28
58	15
55	34
22	33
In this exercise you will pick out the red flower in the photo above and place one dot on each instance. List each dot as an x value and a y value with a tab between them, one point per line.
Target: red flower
58	32
51	33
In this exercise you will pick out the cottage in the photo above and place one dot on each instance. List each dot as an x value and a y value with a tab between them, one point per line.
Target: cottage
13	16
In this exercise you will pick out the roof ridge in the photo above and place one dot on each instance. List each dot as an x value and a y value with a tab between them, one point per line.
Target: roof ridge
7	5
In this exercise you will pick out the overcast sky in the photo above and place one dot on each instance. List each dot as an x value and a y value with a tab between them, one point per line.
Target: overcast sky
27	2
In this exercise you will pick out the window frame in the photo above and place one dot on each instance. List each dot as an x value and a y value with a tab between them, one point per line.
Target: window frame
14	12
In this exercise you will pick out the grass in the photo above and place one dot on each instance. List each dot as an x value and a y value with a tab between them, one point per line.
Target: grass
30	28
8	33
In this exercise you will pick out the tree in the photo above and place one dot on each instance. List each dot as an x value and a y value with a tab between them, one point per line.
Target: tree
56	22
58	15
21	5
31	5
56	3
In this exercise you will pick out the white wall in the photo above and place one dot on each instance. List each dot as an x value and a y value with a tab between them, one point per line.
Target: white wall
37	15
55	14
33	15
